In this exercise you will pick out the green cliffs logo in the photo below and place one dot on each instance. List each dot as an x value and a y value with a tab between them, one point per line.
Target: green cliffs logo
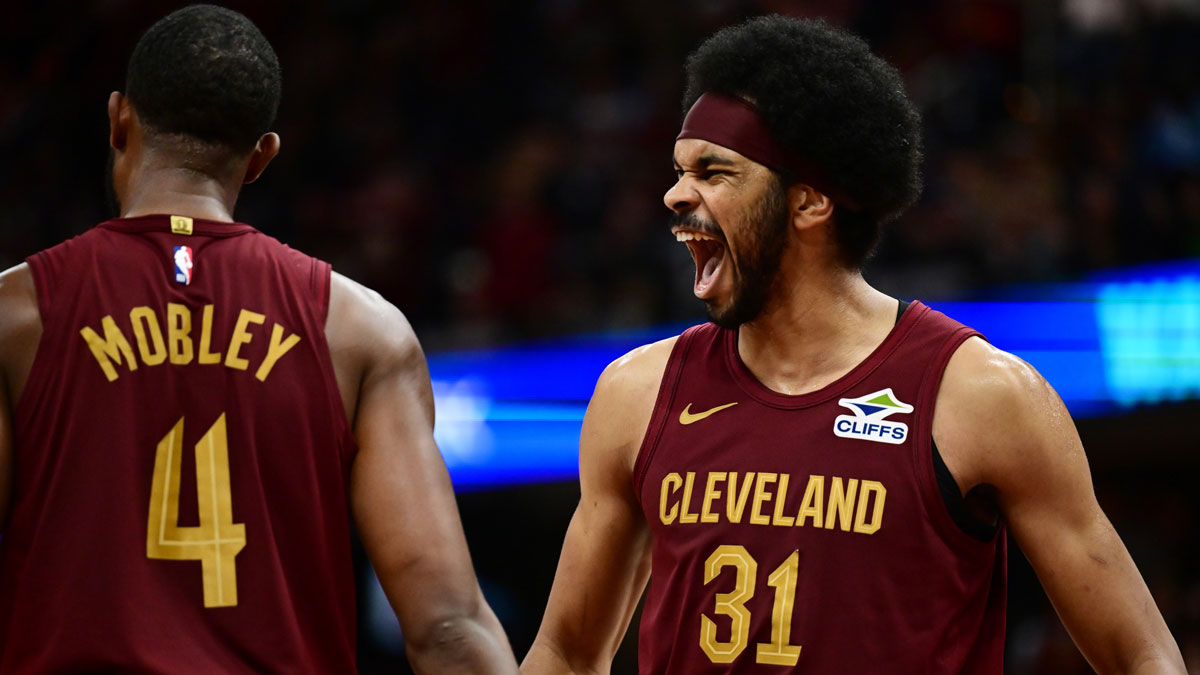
869	423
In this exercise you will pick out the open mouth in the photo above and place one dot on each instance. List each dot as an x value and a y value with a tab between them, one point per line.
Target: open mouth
708	252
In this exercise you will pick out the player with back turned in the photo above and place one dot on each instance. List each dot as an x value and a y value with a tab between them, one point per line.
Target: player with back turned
821	480
190	411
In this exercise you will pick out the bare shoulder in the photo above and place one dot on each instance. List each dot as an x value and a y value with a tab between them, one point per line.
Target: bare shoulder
370	339
620	410
359	315
20	325
628	387
636	373
996	416
18	297
364	329
989	389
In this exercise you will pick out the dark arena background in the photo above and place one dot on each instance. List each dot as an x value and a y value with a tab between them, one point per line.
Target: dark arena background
496	170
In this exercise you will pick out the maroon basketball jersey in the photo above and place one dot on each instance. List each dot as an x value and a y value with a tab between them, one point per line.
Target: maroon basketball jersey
806	533
182	458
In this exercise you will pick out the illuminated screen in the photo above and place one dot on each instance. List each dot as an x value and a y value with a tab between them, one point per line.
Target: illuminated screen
1118	340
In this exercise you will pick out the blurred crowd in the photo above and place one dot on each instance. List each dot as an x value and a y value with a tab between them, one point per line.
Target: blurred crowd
497	169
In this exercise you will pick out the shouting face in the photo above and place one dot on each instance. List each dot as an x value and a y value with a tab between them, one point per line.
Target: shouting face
732	214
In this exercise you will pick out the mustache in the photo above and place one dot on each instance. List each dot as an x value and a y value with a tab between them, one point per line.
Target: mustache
693	222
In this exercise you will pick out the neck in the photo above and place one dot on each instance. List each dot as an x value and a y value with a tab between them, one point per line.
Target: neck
162	184
815	329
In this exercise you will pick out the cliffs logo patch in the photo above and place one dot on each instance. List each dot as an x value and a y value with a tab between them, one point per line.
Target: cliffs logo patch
183	265
869	421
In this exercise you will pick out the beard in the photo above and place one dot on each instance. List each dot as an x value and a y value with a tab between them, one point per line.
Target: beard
756	270
110	190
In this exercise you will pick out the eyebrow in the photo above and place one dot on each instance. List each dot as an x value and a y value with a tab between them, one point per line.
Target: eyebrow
707	160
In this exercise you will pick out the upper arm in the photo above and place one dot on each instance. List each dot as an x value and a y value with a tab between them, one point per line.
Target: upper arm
605	559
999	423
20	332
400	492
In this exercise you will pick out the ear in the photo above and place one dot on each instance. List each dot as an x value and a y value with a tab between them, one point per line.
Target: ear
264	151
807	206
119	118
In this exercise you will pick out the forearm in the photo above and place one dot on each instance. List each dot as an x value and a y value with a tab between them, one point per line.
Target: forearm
464	644
1168	661
1099	594
1105	605
544	659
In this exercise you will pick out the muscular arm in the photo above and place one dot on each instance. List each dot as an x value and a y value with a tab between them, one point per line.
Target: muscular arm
20	331
999	423
400	492
605	558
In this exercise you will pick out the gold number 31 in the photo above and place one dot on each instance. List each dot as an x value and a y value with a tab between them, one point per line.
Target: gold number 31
779	651
217	540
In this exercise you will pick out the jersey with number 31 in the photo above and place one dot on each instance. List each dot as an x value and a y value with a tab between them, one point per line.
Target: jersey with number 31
806	534
182	458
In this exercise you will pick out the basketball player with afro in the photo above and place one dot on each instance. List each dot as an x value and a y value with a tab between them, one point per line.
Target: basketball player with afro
823	478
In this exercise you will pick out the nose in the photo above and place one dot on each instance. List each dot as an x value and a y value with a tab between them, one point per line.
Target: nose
680	197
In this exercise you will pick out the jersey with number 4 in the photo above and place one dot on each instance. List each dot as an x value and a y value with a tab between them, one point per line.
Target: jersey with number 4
807	534
182	457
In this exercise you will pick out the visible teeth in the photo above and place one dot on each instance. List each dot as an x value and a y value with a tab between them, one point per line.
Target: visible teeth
693	236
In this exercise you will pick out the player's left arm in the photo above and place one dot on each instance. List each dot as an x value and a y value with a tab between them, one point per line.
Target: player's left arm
999	423
401	496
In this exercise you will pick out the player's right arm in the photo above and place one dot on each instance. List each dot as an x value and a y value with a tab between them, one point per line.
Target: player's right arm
605	558
6	456
400	492
20	332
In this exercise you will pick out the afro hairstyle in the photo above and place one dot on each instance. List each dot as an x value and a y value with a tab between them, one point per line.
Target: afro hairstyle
824	96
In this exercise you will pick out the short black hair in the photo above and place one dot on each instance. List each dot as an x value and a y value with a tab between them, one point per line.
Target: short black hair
206	72
823	95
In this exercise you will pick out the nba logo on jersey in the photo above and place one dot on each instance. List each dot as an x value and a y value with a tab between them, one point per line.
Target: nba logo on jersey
183	264
869	423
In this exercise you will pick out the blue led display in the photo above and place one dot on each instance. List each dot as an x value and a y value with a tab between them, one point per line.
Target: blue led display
1122	338
1150	339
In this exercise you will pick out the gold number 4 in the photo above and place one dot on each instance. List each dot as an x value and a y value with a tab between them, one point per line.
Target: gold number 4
217	540
778	651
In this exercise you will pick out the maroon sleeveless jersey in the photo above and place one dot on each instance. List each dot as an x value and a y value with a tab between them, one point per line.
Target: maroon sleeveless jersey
806	533
182	458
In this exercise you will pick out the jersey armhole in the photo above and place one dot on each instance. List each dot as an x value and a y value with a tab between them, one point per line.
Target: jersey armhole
662	403
952	497
321	280
322	288
939	488
956	503
39	269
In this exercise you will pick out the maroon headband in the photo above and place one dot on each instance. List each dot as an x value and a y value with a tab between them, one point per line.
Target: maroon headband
733	123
